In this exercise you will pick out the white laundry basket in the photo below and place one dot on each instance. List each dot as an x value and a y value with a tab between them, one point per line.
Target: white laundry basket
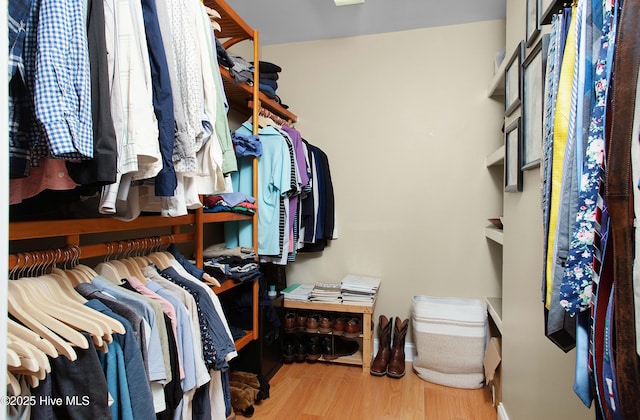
450	338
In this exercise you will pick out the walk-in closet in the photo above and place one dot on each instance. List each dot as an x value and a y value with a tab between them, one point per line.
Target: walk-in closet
327	209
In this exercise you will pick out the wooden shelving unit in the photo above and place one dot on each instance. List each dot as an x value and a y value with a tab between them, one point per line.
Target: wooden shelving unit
362	357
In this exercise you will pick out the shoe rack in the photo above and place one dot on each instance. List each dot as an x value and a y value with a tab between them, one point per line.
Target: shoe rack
364	312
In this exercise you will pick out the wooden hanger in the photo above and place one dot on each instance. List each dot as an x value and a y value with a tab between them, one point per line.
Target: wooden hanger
26	349
121	268
13	385
79	319
109	272
88	271
28	359
27	335
67	280
60	287
160	259
213	13
13	359
37	359
76	277
266	121
30	314
134	269
210	280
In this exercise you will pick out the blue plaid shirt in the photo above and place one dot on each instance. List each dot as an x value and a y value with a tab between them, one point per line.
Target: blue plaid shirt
18	16
23	15
62	80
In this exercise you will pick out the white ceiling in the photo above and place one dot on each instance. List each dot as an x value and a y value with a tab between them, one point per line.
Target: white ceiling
282	21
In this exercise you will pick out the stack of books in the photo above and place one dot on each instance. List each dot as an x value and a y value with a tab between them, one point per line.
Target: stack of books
326	292
298	292
357	289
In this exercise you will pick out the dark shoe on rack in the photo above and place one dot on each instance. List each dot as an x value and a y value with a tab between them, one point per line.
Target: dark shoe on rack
326	324
397	366
313	323
288	352
334	347
290	322
301	351
301	322
380	363
326	347
313	349
339	324
353	328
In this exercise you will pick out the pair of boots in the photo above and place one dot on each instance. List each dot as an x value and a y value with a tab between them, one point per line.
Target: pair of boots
390	358
247	389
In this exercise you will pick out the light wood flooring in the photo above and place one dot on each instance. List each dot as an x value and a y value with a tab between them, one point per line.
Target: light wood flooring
305	391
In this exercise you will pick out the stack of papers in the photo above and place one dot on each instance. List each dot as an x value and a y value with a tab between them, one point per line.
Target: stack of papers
326	292
359	289
298	292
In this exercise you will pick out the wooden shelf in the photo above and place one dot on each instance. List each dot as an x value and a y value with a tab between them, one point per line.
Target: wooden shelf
494	307
496	158
354	359
362	357
494	234
226	216
240	94
243	341
234	28
330	307
53	228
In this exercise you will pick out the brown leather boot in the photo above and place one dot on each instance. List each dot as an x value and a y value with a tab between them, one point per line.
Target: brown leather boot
379	365
396	367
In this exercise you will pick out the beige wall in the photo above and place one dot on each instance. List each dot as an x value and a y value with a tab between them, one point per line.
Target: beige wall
406	124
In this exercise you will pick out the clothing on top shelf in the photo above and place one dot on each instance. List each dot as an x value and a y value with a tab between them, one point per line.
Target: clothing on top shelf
146	119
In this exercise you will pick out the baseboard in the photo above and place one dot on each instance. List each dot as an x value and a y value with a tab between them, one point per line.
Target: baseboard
409	350
502	413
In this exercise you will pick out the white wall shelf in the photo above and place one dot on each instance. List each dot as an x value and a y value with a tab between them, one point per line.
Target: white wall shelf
494	234
494	307
496	158
496	87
